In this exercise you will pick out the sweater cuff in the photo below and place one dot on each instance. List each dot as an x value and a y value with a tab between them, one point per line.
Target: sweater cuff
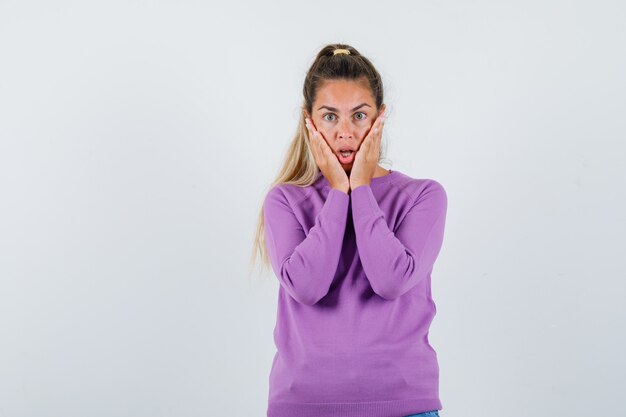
363	201
336	206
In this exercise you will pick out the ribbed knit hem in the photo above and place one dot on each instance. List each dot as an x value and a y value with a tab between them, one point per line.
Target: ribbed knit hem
394	408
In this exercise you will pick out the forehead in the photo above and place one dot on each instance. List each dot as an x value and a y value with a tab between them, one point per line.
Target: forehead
343	94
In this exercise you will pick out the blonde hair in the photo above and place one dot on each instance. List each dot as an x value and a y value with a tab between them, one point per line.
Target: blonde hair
299	167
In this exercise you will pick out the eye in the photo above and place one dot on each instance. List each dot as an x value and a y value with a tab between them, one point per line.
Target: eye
328	114
364	115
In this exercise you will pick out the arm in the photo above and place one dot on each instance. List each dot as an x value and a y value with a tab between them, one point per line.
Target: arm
305	264
395	263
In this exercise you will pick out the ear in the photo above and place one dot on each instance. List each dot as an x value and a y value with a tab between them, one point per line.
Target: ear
383	107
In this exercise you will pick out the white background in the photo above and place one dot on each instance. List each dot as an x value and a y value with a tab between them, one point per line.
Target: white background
137	140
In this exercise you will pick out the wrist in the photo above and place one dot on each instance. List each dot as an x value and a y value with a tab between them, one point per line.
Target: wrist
358	184
342	189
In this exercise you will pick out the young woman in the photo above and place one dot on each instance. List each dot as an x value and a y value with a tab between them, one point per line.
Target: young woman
353	246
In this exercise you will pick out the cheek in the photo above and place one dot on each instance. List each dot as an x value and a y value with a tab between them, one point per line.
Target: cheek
361	133
327	133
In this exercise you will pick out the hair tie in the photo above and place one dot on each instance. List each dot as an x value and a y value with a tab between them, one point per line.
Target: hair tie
341	51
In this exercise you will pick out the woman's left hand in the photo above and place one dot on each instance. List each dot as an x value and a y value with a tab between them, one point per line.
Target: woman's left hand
366	158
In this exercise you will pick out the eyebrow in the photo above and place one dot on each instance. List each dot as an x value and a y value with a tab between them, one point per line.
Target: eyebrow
334	109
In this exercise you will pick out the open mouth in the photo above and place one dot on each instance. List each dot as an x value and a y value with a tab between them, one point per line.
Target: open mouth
346	157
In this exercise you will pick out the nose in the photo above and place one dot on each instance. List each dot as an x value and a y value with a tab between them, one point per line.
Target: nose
346	130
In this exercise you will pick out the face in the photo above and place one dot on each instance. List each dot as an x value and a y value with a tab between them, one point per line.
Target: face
344	111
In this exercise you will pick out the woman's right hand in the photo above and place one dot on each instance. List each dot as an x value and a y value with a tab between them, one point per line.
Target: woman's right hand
326	160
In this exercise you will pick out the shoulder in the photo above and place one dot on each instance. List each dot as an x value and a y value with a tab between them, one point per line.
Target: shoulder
419	189
288	194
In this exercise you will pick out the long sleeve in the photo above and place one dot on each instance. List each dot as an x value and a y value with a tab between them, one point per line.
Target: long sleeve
395	262
305	264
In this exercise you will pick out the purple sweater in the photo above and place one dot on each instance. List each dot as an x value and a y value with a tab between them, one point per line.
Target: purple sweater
354	301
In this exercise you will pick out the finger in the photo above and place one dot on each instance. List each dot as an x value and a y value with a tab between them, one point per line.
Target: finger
318	146
309	129
379	123
313	143
315	135
325	147
318	143
378	127
314	140
375	129
378	138
310	125
372	141
379	120
321	145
